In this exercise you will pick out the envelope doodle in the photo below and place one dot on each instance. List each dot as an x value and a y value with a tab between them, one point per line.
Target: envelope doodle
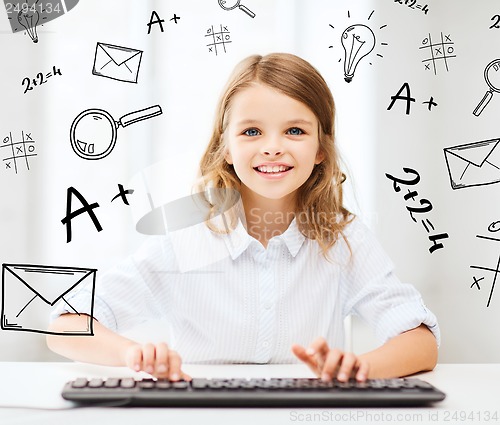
117	63
29	293
473	164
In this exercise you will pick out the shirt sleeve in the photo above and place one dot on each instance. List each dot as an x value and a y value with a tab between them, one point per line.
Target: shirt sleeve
371	290
131	292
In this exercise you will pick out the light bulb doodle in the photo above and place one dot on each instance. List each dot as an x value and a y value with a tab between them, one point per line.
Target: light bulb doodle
358	41
490	73
29	18
29	15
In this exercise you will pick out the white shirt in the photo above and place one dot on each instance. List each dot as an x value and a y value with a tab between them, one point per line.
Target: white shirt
252	304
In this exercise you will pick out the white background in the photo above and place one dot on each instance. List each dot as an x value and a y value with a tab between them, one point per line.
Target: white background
185	79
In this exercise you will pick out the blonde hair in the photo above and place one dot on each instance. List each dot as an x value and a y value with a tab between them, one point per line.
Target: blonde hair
319	199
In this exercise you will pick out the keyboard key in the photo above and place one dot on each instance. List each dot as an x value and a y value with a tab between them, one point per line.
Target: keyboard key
215	385
147	384
127	383
394	384
95	383
376	384
112	383
179	385
163	384
79	383
199	383
343	385
361	385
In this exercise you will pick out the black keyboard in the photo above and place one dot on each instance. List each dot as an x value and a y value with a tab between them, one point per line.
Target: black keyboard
275	392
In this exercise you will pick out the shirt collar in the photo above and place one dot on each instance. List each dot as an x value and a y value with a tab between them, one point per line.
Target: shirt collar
239	240
293	238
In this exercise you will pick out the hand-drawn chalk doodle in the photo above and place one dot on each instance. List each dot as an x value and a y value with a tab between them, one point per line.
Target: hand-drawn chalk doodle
490	73
87	208
496	22
230	5
29	20
40	79
71	214
19	150
430	103
412	4
93	132
493	227
408	99
425	206
117	63
437	52
156	20
30	292
473	164
26	15
358	41
219	39
123	194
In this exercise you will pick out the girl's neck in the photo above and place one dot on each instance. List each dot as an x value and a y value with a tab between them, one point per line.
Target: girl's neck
266	217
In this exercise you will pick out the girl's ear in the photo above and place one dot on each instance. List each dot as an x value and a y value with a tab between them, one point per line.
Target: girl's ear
228	157
320	156
227	154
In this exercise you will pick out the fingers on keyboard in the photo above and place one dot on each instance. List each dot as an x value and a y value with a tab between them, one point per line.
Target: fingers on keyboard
302	354
157	360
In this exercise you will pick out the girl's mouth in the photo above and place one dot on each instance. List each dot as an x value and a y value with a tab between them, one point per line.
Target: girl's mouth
272	169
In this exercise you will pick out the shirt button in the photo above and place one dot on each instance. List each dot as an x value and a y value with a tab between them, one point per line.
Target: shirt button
265	343
268	306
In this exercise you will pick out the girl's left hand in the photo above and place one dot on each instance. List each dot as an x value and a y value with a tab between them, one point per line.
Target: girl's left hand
328	364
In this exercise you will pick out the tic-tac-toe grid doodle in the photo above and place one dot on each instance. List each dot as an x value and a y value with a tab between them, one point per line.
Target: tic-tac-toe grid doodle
17	152
494	270
483	269
437	52
219	39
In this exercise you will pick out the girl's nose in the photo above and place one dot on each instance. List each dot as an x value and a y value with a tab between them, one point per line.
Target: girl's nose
272	152
272	147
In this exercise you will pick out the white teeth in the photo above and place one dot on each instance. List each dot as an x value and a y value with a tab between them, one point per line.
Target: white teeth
272	169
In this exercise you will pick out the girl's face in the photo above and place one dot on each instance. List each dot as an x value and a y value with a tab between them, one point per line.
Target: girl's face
272	141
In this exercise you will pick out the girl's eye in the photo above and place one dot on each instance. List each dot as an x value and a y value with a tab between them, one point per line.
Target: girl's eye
295	131
252	132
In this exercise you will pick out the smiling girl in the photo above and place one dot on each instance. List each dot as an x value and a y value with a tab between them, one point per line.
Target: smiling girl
296	266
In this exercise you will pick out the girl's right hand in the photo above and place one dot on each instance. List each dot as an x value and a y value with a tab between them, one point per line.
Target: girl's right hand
157	360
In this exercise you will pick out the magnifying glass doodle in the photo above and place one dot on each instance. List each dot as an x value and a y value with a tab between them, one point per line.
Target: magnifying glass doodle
491	72
93	132
235	4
